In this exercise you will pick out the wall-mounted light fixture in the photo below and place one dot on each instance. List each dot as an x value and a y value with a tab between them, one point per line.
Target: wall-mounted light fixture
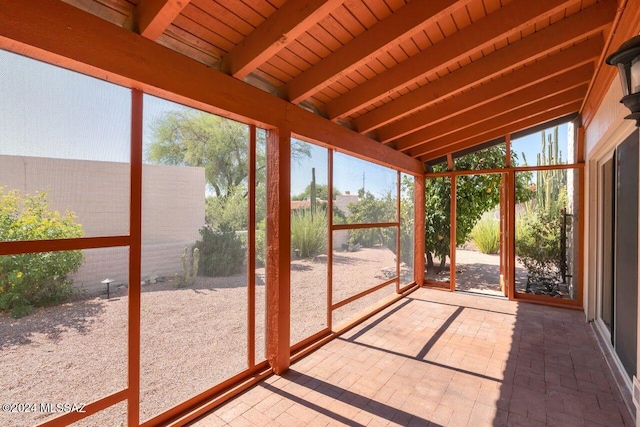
627	59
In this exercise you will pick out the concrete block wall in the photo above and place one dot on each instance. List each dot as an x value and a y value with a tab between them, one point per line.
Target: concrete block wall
98	193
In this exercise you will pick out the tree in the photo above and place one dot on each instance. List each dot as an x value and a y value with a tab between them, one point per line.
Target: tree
189	137
371	210
321	193
475	195
36	279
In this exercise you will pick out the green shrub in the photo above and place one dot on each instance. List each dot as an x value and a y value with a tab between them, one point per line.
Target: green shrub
486	235
37	279
221	252
538	242
261	244
309	233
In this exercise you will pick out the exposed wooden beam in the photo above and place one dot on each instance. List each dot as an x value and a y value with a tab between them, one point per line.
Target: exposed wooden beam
626	25
281	28
545	69
485	127
152	17
399	26
515	101
514	17
550	39
541	117
51	31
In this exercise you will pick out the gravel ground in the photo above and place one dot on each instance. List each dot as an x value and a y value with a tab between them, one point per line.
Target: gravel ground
191	338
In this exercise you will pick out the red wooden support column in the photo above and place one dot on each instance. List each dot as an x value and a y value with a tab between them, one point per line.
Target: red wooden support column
135	258
419	229
278	244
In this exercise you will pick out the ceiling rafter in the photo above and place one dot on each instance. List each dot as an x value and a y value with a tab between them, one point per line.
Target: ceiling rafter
514	17
487	126
286	24
391	31
574	28
153	17
530	95
514	82
516	126
50	31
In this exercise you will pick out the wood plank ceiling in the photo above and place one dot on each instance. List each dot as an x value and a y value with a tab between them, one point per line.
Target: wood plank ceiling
426	77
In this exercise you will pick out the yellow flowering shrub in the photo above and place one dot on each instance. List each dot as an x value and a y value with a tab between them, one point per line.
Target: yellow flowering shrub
35	279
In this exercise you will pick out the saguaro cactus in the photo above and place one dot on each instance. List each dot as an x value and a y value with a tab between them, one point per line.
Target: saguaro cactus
549	182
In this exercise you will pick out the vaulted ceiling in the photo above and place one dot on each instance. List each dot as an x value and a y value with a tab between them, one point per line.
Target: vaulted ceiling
425	77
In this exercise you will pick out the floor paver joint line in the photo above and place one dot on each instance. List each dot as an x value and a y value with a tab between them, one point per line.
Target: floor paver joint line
488	362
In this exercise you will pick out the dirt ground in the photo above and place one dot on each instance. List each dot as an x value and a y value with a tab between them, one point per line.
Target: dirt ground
191	338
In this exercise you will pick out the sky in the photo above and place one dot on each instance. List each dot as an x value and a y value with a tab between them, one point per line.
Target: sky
46	111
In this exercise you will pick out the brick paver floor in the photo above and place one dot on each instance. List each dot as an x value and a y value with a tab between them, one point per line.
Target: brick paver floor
444	359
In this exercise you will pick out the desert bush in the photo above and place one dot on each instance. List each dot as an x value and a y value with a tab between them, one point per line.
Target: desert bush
538	244
486	235
309	232
221	252
261	243
30	280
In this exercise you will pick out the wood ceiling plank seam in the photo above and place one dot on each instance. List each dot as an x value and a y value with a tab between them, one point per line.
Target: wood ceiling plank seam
358	51
335	29
315	48
398	54
510	19
577	27
481	129
350	24
267	77
108	14
272	69
203	32
476	11
169	42
294	59
513	127
324	37
378	8
285	66
303	52
264	8
124	7
421	40
197	42
461	18
362	13
408	133
447	25
409	47
212	24
240	9
395	5
434	33
221	13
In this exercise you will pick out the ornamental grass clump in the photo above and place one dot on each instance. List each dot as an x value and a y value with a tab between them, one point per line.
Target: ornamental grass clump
308	233
486	235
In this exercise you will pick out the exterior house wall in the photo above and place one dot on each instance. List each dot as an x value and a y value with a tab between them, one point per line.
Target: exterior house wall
606	130
98	193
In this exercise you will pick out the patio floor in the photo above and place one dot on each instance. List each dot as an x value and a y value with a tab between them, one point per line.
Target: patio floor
444	359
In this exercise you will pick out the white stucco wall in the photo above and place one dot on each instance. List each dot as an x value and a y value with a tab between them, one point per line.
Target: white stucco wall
98	193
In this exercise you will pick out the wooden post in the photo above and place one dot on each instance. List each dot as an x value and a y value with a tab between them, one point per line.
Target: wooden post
135	259
419	229
251	253
278	248
330	239
452	235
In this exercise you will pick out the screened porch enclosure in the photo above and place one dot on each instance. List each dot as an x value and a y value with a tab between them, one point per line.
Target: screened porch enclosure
197	195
